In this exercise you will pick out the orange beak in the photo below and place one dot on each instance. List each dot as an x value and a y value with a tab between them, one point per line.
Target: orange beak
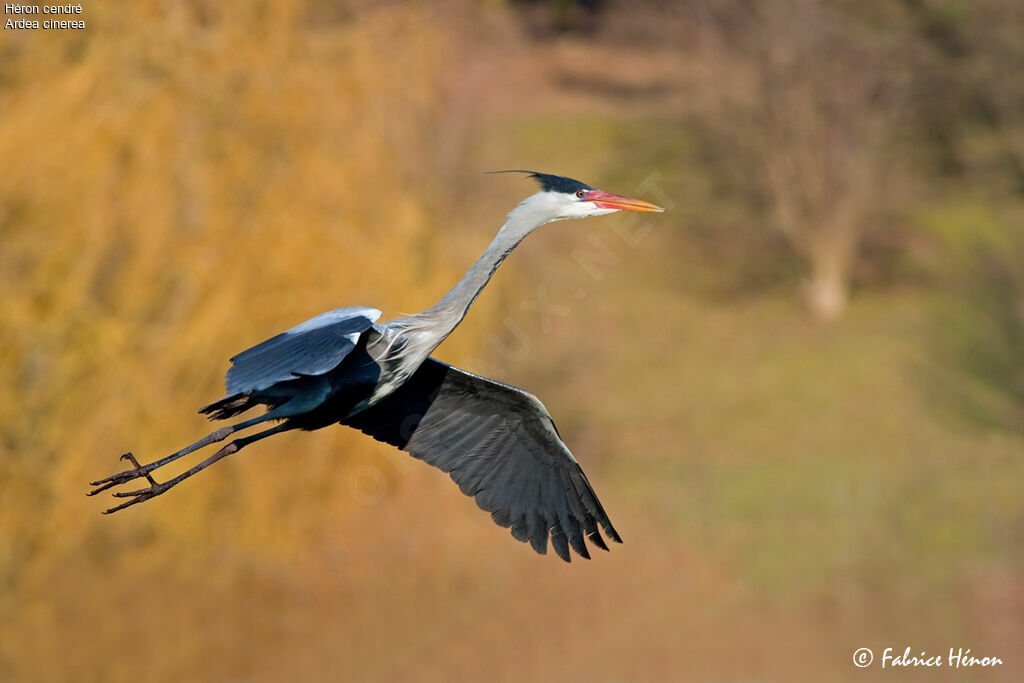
607	200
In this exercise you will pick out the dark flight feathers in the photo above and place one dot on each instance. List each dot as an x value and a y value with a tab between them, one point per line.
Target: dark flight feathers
500	446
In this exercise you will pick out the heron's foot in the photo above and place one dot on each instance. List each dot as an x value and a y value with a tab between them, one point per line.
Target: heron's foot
152	491
124	477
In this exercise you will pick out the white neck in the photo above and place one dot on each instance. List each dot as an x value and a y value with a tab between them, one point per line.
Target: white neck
530	214
407	341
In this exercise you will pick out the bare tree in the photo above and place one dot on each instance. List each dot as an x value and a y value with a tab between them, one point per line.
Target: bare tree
815	97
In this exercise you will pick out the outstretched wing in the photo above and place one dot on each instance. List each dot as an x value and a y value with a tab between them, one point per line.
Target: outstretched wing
500	446
311	348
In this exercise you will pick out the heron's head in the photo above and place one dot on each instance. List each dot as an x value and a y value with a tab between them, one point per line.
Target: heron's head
560	198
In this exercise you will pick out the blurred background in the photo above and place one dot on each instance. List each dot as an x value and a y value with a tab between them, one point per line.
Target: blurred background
799	392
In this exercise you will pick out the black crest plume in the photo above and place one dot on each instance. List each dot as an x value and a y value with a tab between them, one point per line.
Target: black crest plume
552	183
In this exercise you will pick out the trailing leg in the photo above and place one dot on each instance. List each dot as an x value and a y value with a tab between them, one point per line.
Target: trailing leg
156	489
144	470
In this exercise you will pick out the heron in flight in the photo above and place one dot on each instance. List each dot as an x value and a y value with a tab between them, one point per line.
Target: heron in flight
498	442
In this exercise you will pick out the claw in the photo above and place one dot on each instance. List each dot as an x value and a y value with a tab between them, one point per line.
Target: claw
122	477
102	488
154	490
122	506
114	480
137	496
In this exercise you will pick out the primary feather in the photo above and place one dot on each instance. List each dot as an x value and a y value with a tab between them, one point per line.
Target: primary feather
499	444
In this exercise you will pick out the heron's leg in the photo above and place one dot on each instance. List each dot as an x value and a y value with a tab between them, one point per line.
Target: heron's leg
144	470
156	489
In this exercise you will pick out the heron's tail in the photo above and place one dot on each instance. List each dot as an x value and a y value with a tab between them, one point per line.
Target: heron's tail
229	406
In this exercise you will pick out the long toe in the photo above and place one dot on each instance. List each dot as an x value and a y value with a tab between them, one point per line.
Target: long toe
102	488
137	496
148	492
122	506
115	479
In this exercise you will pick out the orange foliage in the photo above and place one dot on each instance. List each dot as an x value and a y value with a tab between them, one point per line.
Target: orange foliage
189	180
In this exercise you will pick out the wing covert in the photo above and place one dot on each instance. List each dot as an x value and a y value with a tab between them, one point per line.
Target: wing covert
500	445
310	348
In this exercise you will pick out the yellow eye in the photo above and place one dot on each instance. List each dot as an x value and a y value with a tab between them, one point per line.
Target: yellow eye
580	194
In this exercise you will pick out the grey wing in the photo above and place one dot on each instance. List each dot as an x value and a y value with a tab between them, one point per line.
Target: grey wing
310	348
501	447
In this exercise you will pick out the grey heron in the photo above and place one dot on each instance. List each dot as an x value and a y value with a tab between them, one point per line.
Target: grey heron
497	442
